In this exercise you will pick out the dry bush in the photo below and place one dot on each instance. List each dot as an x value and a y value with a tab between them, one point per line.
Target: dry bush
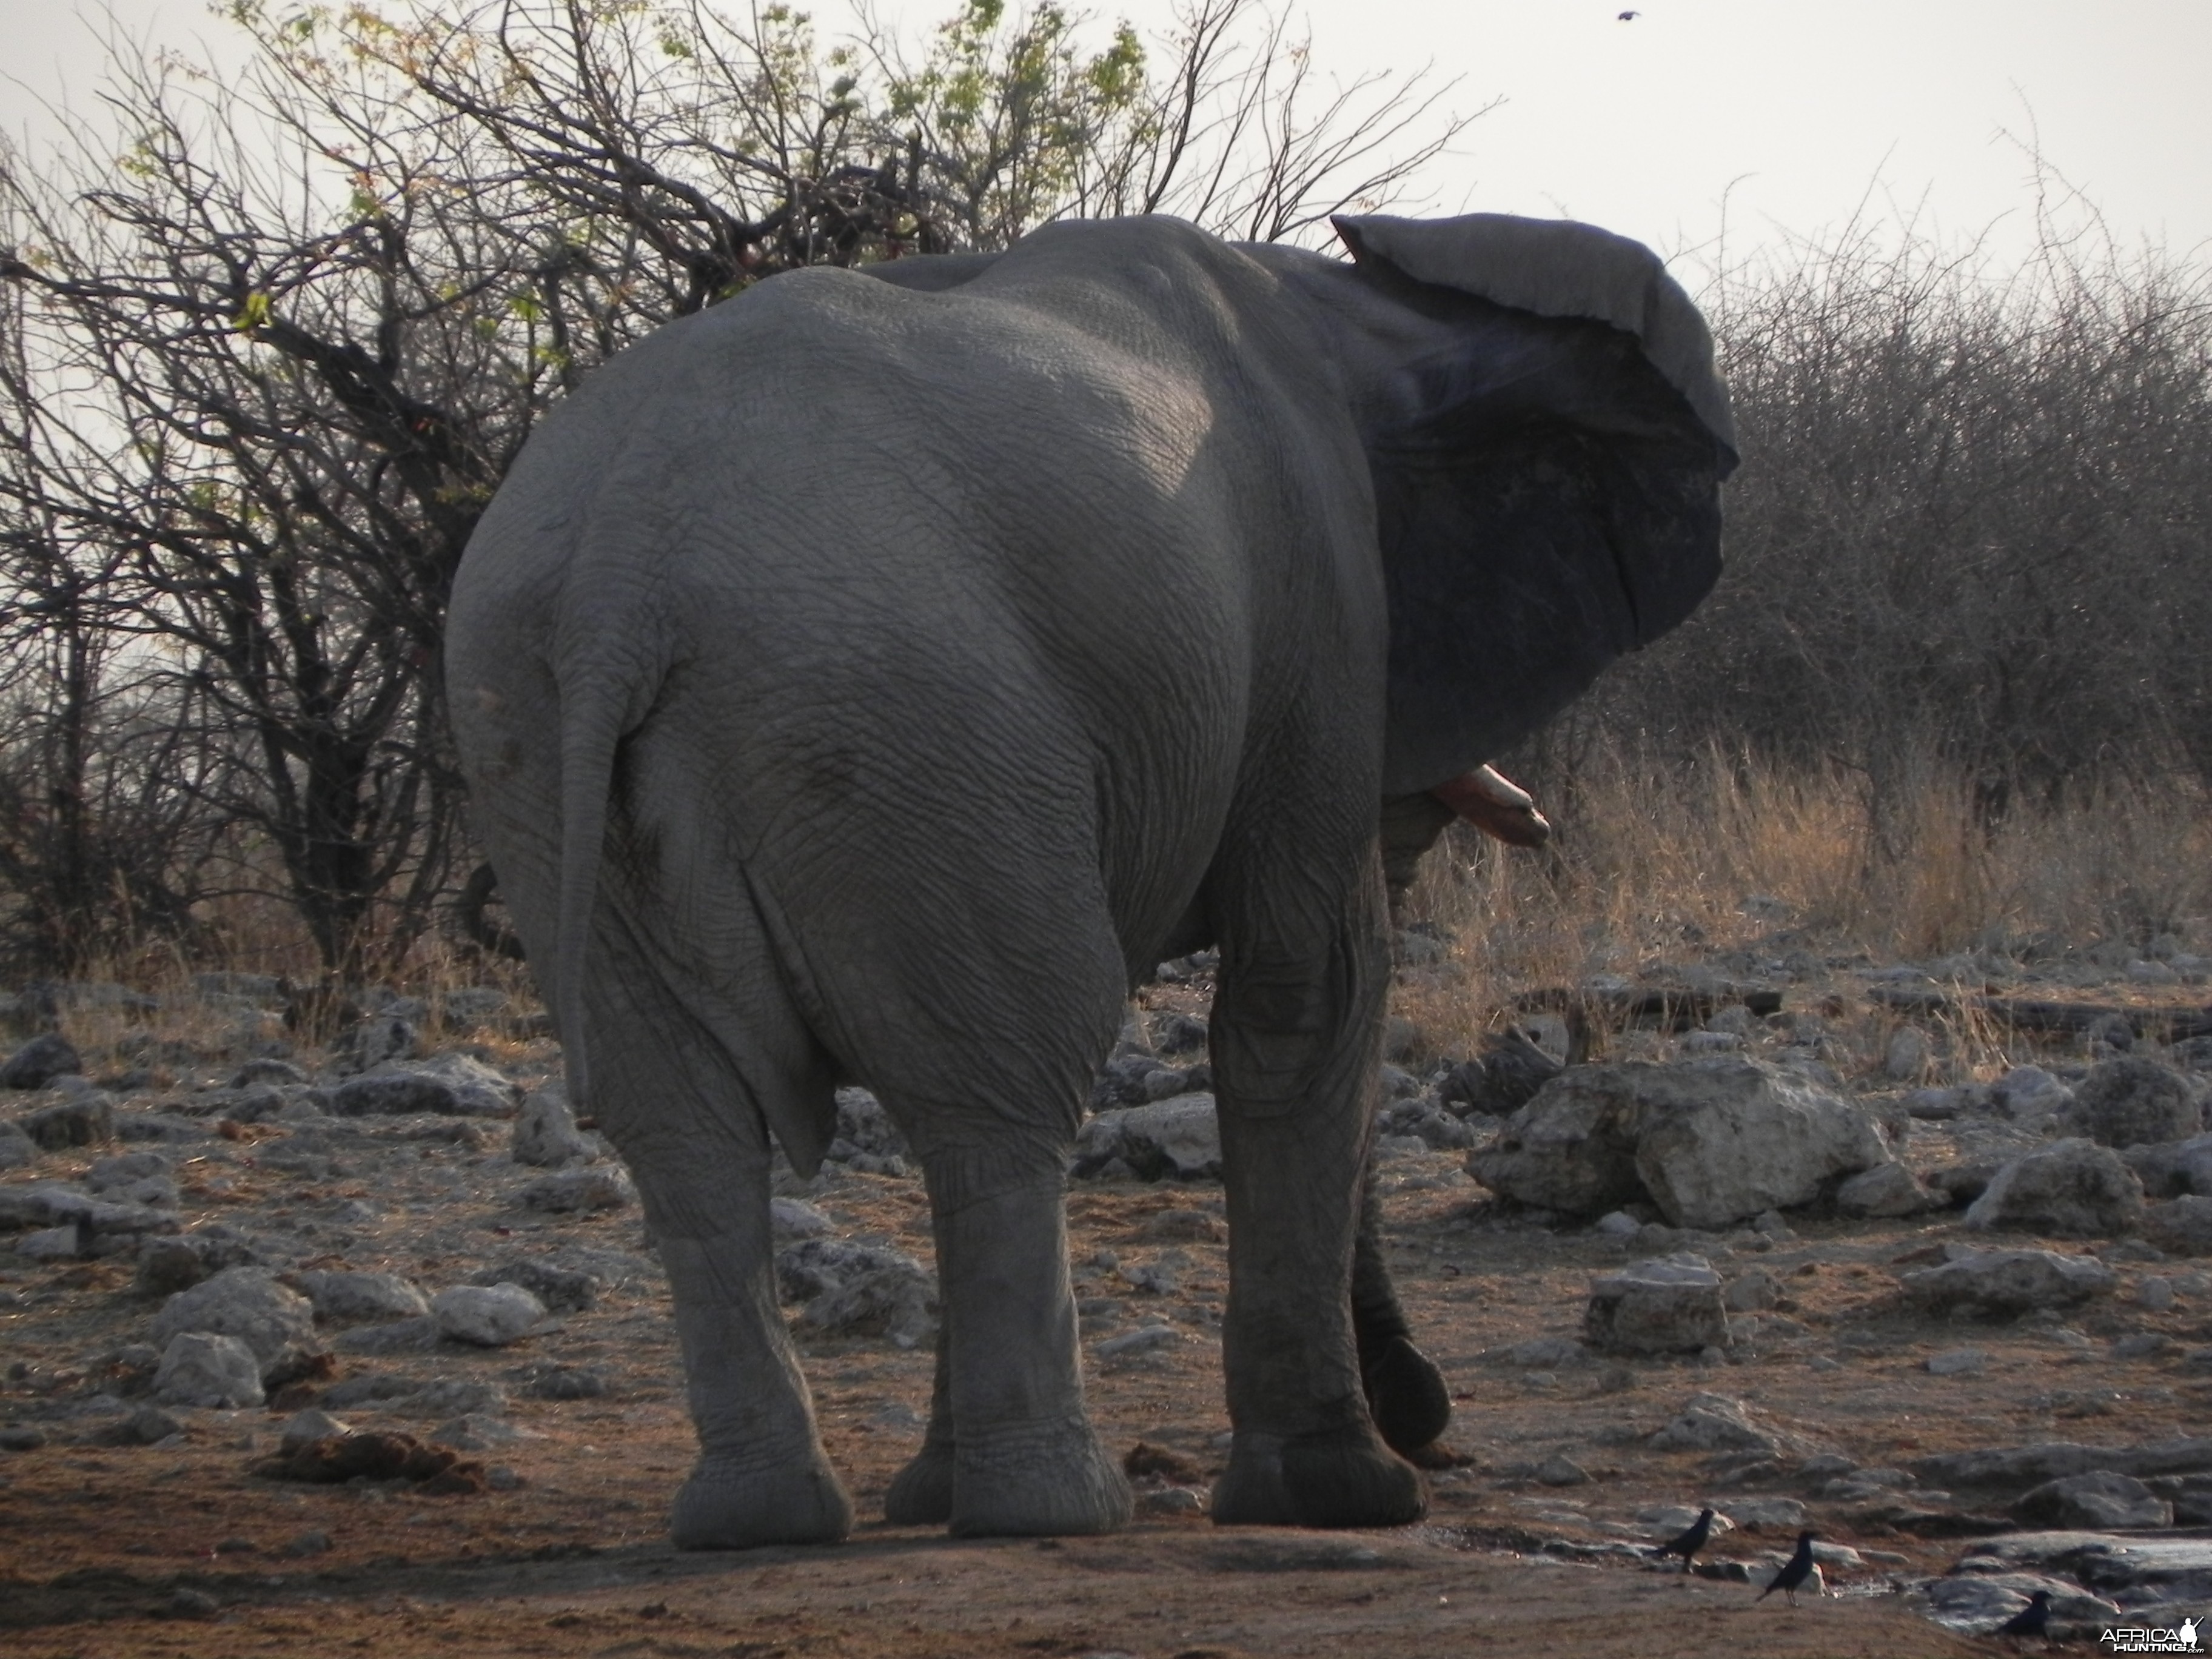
1660	861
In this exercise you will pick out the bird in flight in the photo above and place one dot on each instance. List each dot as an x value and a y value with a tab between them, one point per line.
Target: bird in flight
1794	1572
1628	16
1691	1540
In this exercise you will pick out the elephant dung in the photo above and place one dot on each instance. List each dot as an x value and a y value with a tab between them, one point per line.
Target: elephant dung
1179	1136
1669	1304
1710	1141
2074	1188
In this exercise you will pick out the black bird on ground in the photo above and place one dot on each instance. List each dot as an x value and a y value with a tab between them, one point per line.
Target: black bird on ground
1691	1541
1794	1572
2034	1620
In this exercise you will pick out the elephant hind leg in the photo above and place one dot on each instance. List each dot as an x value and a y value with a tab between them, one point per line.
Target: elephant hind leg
691	1128
1406	1395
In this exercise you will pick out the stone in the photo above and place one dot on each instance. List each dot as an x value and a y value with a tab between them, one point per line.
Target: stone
2137	1571
416	1336
1666	1304
2018	1467
2181	1227
447	1085
545	1131
1184	1034
125	1170
487	1315
1886	1190
1561	1470
596	1187
1145	1339
166	1266
789	1218
478	1431
360	1298
1572	1146
21	1438
2071	1188
563	1290
1752	1291
378	1040
1714	1423
149	1425
1905	1059
865	1131
87	1121
38	1062
2027	1092
17	1149
568	1382
2097	1501
1733	1138
858	1290
1546	1354
1975	1604
265	1069
1766	1514
200	1368
2131	1100
305	1427
53	1244
2172	1169
1507	1076
1178	1137
2009	1282
1958	1362
275	1321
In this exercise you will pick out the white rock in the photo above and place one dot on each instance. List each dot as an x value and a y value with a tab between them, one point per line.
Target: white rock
271	1319
2072	1188
489	1316
1733	1138
199	1368
1766	1514
1147	1339
1617	1224
1669	1305
1714	1423
479	1431
51	1244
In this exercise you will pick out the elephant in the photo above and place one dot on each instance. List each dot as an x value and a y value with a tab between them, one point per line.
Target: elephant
872	677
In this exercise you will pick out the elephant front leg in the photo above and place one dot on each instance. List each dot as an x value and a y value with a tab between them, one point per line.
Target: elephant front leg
1296	1031
1010	1450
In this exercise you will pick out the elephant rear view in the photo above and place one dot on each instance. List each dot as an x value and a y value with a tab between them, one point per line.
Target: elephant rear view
871	676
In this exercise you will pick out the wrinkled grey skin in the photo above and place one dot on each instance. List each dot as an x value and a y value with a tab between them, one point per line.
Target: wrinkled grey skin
871	677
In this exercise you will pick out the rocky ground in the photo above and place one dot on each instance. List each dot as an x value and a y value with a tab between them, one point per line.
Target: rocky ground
364	1347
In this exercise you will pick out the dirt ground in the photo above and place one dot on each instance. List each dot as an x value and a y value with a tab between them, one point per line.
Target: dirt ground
179	1549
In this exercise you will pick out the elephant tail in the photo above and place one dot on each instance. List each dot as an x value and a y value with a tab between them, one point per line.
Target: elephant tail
599	707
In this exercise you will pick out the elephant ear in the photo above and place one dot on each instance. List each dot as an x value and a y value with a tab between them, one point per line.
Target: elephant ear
1546	445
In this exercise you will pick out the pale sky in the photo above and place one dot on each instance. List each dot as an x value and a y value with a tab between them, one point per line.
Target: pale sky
1796	111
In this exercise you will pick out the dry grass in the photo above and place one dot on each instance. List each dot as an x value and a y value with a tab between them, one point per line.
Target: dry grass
1655	863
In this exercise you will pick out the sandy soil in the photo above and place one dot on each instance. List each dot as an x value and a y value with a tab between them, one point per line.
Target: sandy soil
178	1549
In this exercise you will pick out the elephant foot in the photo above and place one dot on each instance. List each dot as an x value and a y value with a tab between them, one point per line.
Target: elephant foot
1040	1480
728	1506
1405	1395
922	1492
1341	1477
